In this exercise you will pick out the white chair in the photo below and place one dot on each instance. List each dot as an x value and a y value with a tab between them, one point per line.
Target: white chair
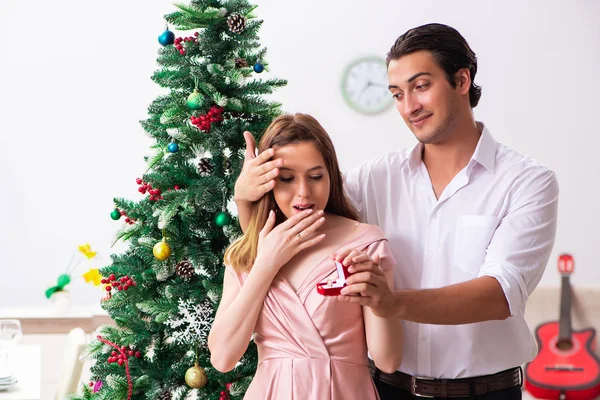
72	366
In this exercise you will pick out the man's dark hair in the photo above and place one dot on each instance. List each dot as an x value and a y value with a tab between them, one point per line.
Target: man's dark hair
447	46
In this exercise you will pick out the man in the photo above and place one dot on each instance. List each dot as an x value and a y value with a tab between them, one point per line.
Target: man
471	224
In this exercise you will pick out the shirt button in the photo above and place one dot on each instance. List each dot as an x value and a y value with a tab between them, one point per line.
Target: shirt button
424	338
430	256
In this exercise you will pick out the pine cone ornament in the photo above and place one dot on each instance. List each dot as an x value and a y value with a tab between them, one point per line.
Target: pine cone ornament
204	166
241	63
236	23
166	395
184	269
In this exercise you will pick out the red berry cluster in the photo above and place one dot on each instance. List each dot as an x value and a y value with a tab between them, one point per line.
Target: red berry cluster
122	284
120	356
225	393
178	41
128	220
155	194
203	122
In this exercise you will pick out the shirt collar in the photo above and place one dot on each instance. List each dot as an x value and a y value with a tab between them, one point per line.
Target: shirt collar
484	154
415	156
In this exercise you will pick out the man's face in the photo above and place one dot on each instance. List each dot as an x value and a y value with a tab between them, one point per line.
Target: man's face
424	97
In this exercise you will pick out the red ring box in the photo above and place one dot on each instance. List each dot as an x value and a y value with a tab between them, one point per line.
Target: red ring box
329	288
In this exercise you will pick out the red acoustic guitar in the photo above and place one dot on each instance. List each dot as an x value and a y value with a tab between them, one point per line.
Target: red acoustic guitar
566	367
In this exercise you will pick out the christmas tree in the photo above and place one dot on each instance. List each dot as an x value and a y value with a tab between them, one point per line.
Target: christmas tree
163	291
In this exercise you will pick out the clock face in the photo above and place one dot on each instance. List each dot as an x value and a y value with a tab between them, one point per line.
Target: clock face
365	85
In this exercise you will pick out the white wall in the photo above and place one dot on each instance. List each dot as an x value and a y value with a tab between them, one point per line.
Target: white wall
74	82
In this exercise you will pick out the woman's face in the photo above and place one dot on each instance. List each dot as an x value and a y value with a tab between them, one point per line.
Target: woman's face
303	180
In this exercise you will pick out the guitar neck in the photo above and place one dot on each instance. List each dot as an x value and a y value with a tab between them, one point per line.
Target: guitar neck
565	310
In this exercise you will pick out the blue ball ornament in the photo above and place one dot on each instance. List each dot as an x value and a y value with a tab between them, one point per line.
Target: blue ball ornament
173	147
258	68
166	38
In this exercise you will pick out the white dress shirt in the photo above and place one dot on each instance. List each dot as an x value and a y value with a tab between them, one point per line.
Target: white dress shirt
497	217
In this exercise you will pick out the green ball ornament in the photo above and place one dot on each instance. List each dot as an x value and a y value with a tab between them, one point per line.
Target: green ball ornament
223	218
195	101
116	214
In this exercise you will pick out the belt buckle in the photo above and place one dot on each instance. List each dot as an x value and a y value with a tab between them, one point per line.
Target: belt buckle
413	386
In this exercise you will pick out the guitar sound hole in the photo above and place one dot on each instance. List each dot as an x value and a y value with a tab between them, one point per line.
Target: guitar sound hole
564	344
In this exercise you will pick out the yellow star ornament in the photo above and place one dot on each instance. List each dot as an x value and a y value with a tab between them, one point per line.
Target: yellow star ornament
93	276
87	251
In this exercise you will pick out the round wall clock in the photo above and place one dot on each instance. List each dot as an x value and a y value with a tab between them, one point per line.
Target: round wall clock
365	85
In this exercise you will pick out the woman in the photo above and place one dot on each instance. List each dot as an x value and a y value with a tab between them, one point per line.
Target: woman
310	346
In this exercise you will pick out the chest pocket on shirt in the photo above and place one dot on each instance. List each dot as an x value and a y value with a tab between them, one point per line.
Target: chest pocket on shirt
473	235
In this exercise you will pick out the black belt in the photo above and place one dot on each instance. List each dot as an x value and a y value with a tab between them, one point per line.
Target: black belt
462	387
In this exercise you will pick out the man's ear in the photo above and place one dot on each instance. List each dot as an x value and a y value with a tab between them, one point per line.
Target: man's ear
463	80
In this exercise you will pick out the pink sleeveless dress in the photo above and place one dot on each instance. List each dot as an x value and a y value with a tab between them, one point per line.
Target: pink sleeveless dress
313	347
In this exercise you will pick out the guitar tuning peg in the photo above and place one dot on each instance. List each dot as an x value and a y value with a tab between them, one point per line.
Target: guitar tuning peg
566	264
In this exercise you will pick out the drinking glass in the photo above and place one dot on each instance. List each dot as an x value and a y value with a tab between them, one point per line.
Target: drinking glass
10	334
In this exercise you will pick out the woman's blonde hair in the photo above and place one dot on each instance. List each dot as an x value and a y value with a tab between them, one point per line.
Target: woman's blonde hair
284	130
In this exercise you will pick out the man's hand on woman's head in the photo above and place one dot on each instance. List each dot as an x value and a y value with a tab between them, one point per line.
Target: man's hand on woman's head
258	173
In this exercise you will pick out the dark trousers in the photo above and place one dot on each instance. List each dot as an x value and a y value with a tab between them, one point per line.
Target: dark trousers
388	392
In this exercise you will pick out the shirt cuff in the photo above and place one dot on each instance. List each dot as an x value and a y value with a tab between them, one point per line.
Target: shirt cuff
511	281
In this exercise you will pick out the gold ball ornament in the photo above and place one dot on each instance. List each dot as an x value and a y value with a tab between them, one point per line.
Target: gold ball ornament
195	377
162	250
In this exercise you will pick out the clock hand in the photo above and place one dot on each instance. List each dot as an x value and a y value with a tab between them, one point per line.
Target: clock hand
365	87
